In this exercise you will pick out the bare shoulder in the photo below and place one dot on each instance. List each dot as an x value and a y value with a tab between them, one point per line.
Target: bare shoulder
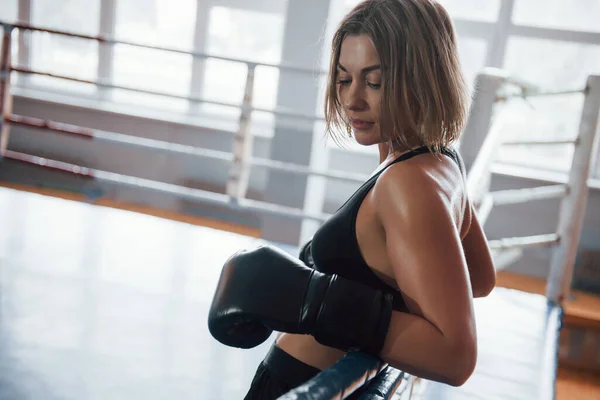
425	184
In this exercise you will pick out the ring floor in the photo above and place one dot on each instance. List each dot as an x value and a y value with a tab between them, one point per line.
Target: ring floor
101	303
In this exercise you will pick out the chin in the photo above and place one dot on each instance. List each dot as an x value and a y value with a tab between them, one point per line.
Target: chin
366	138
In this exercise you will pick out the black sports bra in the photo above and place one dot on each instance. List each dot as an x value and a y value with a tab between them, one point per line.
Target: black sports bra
334	247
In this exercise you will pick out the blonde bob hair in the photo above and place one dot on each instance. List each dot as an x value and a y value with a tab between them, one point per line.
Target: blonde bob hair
424	94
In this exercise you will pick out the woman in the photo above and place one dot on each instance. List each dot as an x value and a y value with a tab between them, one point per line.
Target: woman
409	231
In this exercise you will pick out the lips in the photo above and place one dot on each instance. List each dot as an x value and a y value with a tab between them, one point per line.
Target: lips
360	124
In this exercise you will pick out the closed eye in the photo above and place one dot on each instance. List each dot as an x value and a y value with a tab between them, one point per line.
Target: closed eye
371	85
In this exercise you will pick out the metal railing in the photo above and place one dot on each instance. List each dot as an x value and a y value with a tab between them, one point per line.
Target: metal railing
240	159
573	195
352	372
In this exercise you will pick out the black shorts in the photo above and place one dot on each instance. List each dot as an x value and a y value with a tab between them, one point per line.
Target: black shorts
279	373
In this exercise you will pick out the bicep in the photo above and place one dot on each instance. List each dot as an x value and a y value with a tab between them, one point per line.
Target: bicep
429	264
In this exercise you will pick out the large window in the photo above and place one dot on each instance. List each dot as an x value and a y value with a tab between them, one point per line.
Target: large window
577	15
553	65
8	13
158	23
549	64
247	35
61	55
476	10
249	30
552	43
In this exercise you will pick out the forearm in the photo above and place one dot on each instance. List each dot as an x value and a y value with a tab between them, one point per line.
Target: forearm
416	346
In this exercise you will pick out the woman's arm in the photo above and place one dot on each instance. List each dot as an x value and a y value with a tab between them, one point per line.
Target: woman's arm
479	259
438	339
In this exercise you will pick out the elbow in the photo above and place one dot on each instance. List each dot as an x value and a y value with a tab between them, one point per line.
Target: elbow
491	283
460	376
485	290
465	360
485	287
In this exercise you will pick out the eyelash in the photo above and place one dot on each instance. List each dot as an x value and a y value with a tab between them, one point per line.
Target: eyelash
372	85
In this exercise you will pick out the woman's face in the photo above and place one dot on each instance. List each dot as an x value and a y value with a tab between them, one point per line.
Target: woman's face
359	87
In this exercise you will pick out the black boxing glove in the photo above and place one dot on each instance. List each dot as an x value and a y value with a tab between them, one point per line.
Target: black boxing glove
306	254
265	289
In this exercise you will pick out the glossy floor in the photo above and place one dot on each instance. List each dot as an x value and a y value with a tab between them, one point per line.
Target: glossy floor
99	303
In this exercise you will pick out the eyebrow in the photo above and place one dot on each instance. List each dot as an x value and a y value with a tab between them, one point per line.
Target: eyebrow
367	69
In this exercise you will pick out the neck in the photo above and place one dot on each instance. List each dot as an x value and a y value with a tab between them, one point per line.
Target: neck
388	151
384	152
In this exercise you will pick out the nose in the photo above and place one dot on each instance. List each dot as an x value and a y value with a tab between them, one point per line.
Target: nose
354	99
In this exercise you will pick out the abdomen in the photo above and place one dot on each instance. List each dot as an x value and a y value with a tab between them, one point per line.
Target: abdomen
306	349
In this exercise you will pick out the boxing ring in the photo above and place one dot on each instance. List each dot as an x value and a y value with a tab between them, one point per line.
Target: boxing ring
105	303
